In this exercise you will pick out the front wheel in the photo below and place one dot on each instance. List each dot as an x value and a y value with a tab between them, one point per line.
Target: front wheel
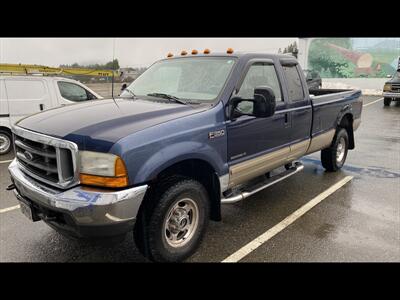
5	142
176	223
386	101
333	158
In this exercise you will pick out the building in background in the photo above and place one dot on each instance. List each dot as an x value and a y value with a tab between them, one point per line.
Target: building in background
350	57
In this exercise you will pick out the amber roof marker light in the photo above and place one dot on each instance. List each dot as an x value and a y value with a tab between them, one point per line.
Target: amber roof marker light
183	52
206	51
229	51
170	54
194	52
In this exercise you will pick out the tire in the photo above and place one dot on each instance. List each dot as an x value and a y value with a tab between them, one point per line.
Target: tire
5	142
333	158
386	101
163	238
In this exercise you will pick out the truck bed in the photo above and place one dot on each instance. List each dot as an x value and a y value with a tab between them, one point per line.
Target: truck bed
328	105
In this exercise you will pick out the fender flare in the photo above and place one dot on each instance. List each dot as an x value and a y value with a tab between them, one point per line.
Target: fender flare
176	153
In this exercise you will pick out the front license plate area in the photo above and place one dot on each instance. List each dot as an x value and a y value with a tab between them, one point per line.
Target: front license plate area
28	211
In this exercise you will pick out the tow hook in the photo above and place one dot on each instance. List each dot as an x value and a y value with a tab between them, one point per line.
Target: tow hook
10	187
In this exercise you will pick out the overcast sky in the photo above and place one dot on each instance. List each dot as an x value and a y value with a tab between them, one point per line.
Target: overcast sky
131	52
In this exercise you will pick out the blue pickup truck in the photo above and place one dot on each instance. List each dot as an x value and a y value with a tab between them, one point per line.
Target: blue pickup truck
191	133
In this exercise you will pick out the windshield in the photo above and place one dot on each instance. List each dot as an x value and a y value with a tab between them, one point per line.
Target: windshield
396	75
200	78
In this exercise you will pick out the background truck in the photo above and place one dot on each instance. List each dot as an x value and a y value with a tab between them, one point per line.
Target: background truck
391	90
191	133
313	79
21	96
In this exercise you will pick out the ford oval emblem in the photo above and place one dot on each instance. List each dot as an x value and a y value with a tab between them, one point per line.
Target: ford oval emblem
28	155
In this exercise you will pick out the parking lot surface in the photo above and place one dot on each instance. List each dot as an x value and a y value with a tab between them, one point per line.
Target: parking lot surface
359	221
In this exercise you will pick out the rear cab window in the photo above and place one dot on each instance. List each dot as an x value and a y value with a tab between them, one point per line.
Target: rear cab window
294	84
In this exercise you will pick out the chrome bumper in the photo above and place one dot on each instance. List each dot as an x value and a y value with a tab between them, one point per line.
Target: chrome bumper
391	95
87	206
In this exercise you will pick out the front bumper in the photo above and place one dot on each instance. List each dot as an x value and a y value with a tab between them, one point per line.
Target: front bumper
391	95
80	211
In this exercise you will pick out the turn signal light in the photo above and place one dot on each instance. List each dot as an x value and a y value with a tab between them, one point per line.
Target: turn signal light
194	52
120	169
118	181
183	52
229	51
206	51
103	181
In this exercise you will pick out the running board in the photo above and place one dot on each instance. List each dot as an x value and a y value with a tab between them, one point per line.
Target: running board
248	191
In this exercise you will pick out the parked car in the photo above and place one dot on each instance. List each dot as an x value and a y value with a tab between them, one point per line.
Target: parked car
313	79
391	90
21	96
191	133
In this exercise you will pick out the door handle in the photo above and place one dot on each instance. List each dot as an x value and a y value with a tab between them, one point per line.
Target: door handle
286	118
41	106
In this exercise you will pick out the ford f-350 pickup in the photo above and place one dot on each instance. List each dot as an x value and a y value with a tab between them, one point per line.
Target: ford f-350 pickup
191	133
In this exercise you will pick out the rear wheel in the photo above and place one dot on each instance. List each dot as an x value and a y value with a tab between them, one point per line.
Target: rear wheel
174	227
333	158
386	101
5	142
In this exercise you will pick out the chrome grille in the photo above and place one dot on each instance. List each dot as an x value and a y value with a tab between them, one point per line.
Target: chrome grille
395	87
47	159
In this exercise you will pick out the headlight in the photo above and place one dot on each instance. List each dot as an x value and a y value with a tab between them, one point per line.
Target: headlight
387	87
102	169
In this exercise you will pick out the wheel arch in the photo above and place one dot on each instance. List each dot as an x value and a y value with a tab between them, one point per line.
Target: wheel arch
346	122
197	169
7	129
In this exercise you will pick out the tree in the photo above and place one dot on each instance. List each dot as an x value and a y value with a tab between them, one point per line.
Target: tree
111	65
292	48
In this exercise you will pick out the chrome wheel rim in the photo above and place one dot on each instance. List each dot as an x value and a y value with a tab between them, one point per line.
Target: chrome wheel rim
4	143
181	222
341	150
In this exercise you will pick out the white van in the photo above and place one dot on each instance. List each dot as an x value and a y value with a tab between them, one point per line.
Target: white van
21	96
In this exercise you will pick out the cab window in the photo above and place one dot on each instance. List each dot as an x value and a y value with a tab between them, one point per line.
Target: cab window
295	88
74	92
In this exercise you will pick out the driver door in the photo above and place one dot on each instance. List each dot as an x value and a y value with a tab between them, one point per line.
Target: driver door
257	145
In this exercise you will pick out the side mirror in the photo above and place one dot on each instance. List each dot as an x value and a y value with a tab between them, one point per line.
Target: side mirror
263	104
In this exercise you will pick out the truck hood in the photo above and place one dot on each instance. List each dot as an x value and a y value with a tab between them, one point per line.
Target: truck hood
97	125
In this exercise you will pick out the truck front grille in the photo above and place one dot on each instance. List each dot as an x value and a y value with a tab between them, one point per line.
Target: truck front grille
47	159
396	88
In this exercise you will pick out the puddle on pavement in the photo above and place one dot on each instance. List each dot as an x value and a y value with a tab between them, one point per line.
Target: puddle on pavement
376	172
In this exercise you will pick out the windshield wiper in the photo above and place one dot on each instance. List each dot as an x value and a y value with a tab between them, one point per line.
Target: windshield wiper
168	97
130	92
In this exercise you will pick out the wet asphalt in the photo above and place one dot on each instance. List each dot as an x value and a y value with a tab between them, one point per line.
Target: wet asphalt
359	222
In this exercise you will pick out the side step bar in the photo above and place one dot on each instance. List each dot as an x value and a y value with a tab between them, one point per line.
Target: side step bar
247	192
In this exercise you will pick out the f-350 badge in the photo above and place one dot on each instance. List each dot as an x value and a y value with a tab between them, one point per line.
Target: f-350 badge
215	134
